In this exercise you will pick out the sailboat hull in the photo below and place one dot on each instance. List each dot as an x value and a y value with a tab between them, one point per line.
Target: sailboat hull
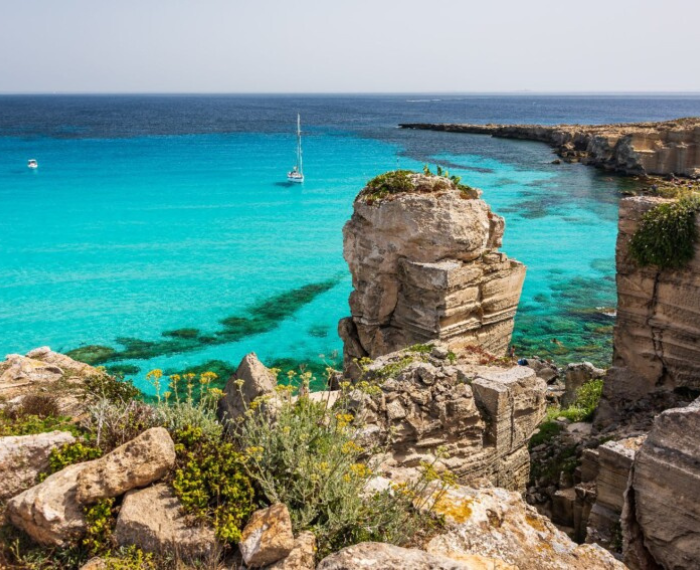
295	178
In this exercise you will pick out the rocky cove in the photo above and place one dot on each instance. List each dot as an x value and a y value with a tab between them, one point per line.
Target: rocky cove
432	448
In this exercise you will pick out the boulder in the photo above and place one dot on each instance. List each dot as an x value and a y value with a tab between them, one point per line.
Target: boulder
23	458
94	564
661	516
382	556
137	463
302	556
252	380
152	520
50	512
268	537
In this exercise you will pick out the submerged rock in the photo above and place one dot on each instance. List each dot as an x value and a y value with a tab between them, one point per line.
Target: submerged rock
23	458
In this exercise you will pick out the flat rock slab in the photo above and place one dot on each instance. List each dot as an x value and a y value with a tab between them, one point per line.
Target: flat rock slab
267	537
24	457
137	463
152	520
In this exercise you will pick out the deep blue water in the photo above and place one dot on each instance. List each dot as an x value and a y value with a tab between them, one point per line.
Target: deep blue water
150	214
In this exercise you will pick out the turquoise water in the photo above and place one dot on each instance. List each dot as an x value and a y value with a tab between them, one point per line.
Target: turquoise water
119	238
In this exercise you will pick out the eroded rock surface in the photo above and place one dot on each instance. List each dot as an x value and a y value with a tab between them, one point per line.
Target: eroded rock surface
302	556
498	524
389	557
137	463
268	537
657	334
23	458
152	519
481	416
425	266
661	519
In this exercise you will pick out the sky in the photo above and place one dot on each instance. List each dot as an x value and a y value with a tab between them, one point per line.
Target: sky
348	46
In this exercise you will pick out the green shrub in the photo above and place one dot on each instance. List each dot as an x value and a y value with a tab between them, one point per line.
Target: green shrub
309	459
100	520
394	182
211	482
70	454
546	432
667	234
21	424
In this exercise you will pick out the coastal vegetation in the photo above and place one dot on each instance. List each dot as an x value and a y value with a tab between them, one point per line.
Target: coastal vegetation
667	234
307	454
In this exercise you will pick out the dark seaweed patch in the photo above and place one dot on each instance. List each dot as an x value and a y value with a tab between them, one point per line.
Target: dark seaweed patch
259	318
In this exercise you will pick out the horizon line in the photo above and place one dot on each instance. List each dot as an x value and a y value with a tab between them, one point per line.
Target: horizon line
351	93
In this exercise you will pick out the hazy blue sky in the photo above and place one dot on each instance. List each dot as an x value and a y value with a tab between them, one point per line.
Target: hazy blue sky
348	45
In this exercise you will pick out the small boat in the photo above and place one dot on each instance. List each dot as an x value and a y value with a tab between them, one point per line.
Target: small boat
32	163
297	173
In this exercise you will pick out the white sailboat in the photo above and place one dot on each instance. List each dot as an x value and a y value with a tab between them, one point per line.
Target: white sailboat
297	173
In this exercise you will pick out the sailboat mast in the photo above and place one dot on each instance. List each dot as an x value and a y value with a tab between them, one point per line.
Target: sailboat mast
301	168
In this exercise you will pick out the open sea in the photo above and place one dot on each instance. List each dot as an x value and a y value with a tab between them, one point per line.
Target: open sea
160	231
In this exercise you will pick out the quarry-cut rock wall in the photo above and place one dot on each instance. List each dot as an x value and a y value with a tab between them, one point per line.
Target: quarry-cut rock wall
657	334
425	266
632	148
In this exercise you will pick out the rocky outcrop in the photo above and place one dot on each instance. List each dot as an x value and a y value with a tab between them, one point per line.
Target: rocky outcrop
268	537
137	463
152	520
661	518
252	380
425	266
498	524
632	148
614	464
576	375
45	375
657	333
23	458
481	417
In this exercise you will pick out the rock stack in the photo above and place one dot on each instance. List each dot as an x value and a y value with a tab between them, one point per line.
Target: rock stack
425	266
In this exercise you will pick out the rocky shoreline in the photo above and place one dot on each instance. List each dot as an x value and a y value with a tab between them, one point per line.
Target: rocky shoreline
654	148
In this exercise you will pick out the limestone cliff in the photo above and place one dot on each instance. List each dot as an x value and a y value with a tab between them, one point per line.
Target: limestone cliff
657	334
425	266
632	148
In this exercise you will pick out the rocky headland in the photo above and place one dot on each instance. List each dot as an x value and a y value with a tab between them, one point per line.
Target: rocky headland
661	148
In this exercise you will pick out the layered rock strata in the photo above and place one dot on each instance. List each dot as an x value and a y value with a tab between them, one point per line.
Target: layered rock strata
632	148
661	516
425	265
657	333
480	417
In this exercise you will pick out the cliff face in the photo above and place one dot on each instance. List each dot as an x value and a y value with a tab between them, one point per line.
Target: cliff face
657	334
425	266
633	148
